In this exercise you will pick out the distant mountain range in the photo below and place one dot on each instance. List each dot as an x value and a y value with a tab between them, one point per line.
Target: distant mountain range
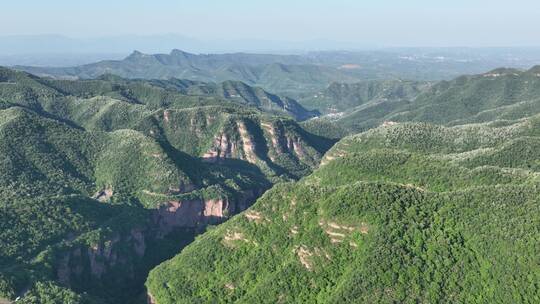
302	73
161	92
278	73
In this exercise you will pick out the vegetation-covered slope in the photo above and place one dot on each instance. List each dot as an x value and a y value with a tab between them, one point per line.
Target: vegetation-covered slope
499	94
242	93
403	213
339	97
65	189
154	93
101	180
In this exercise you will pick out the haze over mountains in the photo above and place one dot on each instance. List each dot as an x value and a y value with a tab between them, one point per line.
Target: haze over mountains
124	44
300	73
36	45
63	51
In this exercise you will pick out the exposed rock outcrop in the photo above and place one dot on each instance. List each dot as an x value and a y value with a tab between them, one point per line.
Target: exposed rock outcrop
189	213
247	143
198	212
222	148
81	261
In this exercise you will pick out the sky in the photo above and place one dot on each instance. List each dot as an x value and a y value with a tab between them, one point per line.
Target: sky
361	23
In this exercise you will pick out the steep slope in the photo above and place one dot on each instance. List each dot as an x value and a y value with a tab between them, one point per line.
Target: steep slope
69	190
403	213
198	126
499	94
98	184
103	179
325	128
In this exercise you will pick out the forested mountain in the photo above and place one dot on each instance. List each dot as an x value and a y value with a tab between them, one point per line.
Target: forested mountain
404	213
498	94
242	93
339	97
101	180
433	196
155	93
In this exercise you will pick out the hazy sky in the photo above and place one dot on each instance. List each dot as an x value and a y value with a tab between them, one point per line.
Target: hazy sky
369	23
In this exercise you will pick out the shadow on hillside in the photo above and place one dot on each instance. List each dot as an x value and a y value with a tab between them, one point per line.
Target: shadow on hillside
320	143
111	260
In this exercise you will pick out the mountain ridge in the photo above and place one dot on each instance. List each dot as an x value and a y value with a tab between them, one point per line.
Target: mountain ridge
502	93
232	91
103	179
255	69
120	175
291	74
396	199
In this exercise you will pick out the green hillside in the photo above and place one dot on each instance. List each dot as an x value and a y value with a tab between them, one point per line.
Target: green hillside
242	93
214	192
403	213
22	87
499	94
339	97
101	180
68	190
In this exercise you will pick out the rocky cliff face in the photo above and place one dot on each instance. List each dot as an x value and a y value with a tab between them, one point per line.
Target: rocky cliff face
235	142
122	179
198	212
222	148
82	262
128	251
273	145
